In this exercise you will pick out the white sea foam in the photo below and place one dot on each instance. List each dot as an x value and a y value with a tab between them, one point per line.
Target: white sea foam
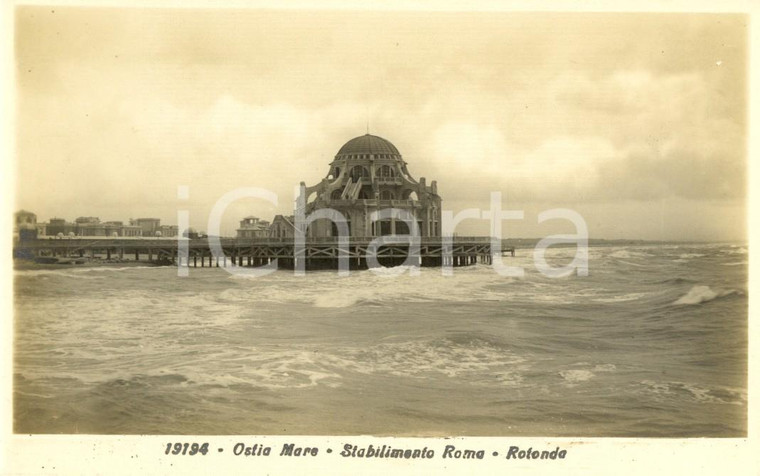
480	363
78	272
737	250
367	286
584	373
115	268
74	275
700	294
340	299
271	367
629	253
576	375
630	263
725	395
690	255
621	298
605	367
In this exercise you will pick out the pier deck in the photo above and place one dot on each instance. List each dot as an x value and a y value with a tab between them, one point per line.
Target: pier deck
322	253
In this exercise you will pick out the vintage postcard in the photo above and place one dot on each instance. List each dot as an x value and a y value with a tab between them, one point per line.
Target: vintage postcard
409	238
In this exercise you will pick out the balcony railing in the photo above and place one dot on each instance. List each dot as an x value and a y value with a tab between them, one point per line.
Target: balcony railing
389	180
371	202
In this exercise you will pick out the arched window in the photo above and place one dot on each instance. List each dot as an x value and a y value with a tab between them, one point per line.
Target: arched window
357	172
335	195
387	195
365	193
386	171
410	195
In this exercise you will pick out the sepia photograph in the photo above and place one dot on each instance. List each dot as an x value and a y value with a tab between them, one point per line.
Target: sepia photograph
395	223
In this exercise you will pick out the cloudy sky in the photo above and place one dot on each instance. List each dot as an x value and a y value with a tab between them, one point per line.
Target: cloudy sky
636	121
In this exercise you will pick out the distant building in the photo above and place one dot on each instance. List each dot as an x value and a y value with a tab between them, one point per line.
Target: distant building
90	226
149	225
113	228
191	233
131	230
91	229
25	225
23	216
60	226
253	227
282	227
118	228
169	231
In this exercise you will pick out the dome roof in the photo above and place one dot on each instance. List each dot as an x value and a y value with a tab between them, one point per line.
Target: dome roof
368	144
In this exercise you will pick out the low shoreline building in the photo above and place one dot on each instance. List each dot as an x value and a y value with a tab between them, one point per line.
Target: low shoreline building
60	227
89	227
168	231
149	226
25	226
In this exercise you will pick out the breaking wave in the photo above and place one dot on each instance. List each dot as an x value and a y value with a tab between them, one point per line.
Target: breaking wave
573	376
697	393
80	272
700	294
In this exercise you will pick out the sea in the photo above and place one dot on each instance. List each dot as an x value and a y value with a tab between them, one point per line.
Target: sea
652	343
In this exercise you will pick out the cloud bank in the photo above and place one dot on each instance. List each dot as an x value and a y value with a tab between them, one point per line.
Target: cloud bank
615	115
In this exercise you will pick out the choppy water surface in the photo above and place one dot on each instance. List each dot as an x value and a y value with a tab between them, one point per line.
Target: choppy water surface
652	343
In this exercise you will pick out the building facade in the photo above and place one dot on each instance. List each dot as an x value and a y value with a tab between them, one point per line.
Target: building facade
253	227
25	217
168	231
369	175
282	227
113	228
60	227
131	230
25	225
90	226
149	226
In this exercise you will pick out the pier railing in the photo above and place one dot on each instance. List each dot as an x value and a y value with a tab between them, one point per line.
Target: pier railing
355	239
148	242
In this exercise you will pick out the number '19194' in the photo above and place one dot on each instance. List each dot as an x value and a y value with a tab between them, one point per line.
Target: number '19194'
186	448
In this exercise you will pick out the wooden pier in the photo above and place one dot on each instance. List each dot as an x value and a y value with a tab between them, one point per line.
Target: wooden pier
323	253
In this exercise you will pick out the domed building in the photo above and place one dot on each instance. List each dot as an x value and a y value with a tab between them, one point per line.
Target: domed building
369	174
